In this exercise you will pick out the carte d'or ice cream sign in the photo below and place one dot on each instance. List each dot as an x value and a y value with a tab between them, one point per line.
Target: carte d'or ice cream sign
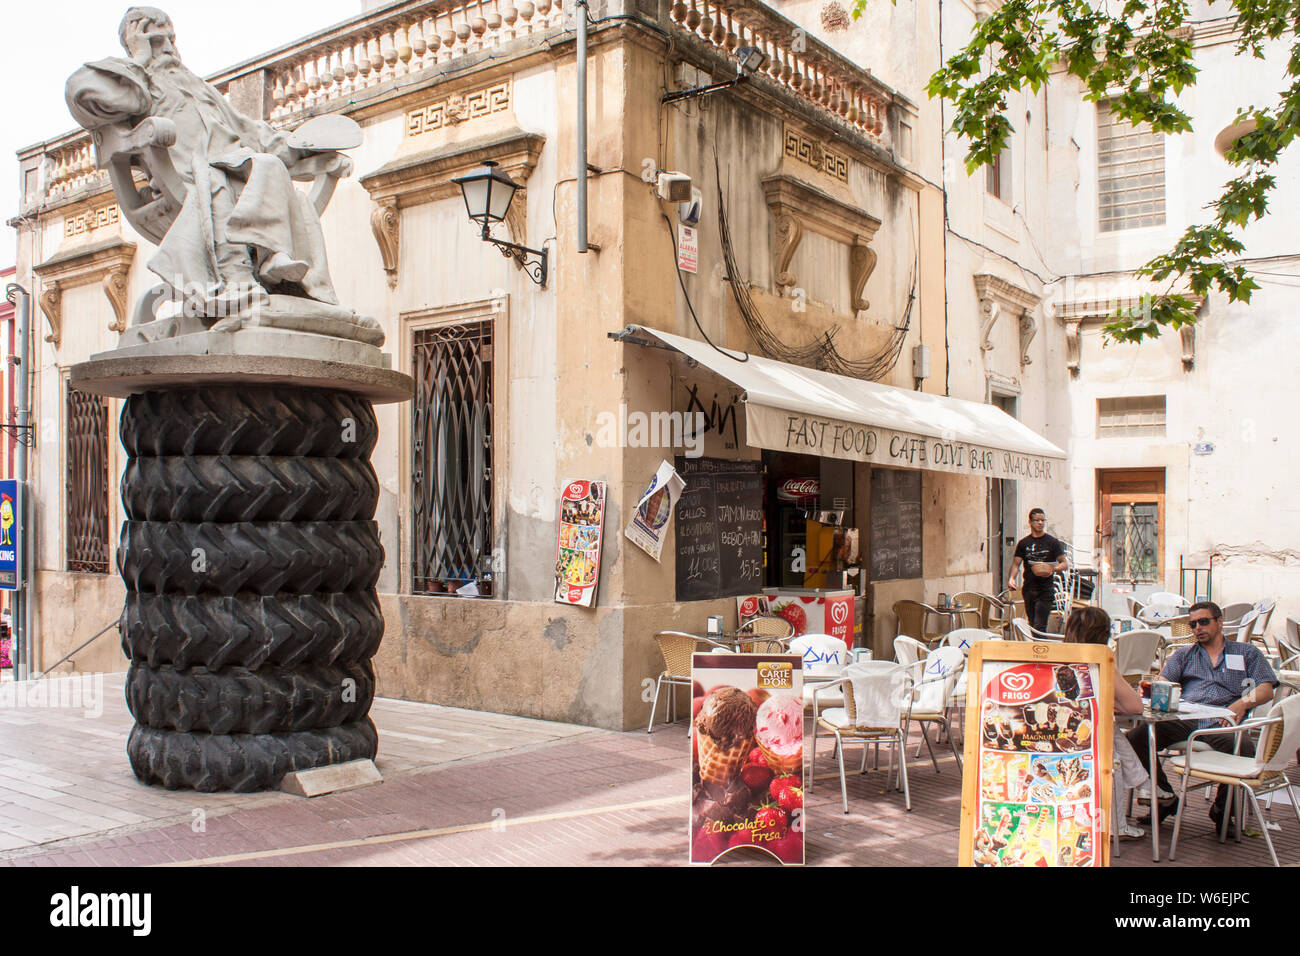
783	430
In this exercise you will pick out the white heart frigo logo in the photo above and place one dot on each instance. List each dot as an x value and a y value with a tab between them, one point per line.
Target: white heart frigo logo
1016	682
839	613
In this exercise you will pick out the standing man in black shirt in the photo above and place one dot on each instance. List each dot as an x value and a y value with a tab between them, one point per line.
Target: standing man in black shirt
1042	556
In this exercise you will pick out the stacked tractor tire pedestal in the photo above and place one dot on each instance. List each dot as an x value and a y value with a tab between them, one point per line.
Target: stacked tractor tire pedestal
250	557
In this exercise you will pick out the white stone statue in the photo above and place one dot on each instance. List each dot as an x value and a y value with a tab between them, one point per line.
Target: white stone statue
238	244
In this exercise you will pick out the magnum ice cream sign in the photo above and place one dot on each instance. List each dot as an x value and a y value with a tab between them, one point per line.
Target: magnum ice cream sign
747	756
1037	777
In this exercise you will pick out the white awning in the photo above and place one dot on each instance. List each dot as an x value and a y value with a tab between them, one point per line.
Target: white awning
788	408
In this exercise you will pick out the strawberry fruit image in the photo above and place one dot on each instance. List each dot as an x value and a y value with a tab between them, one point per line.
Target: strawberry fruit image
791	799
796	615
771	819
788	847
756	775
780	783
706	846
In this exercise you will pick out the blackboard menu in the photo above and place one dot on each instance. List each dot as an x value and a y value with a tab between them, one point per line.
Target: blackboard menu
719	529
895	524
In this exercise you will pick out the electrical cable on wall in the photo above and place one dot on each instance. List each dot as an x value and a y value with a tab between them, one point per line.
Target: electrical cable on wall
744	357
820	353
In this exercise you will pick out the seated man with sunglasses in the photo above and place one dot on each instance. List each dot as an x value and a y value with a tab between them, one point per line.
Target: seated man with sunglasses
1211	671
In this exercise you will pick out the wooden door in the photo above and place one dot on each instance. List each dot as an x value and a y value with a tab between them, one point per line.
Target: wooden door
1131	524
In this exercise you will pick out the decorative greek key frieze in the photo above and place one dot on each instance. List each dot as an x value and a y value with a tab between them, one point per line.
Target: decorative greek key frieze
90	220
458	108
800	147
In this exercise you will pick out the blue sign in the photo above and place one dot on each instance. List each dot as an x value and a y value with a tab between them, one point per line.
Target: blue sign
10	535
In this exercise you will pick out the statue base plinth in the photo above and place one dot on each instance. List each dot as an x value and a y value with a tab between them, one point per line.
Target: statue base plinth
258	356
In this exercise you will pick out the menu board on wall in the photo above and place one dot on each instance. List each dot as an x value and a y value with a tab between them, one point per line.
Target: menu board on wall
719	528
1036	782
895	524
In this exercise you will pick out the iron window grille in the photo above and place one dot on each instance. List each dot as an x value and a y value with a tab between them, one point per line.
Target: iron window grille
1130	173
451	443
87	487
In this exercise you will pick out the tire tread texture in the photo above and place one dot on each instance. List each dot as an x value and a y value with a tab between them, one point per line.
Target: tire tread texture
249	420
248	488
250	630
238	700
242	762
303	557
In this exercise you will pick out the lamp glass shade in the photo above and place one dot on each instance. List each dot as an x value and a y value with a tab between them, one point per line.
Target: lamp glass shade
487	192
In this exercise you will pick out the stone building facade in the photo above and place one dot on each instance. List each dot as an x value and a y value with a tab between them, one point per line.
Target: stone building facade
829	164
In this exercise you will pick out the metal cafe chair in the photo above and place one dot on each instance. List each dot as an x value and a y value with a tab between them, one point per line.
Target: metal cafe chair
772	633
913	620
874	694
1257	775
676	647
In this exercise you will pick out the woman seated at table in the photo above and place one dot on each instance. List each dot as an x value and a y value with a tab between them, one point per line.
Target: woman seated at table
1091	625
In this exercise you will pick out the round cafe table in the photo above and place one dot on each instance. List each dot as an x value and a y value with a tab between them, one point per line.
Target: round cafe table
1186	711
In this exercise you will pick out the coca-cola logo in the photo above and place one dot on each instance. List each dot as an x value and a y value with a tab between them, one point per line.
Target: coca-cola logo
799	489
840	612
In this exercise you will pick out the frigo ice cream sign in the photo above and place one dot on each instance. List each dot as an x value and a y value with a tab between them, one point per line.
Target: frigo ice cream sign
784	430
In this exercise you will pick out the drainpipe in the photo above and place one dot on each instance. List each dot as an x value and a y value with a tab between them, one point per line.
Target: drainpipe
23	597
582	125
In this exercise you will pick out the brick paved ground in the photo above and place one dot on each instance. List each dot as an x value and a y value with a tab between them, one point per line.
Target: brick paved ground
564	796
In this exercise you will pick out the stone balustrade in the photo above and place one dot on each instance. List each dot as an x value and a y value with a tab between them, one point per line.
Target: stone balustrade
335	68
803	65
331	67
70	167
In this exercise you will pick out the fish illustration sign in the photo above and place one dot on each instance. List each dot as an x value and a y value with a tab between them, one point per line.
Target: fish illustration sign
10	535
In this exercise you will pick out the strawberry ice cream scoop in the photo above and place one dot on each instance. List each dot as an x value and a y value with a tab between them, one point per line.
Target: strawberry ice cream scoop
779	726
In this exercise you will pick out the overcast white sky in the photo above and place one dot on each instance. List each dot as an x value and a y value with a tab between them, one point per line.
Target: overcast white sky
45	42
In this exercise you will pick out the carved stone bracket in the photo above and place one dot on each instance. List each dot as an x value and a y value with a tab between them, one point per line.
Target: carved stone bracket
795	207
1187	335
1072	346
386	224
996	296
427	176
107	262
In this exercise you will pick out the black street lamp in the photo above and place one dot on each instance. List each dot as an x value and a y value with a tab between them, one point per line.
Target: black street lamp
487	192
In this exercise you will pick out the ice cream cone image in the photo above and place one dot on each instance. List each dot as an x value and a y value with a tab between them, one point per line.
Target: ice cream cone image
724	729
779	733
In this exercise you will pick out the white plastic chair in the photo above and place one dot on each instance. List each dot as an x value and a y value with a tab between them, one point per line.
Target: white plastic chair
1288	648
937	679
824	659
872	713
1262	773
1169	597
1158	611
1263	614
1024	631
1136	651
966	637
1239	629
908	650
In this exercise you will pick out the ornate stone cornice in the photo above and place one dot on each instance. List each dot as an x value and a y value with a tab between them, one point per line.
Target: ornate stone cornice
1078	314
426	176
795	207
997	295
107	261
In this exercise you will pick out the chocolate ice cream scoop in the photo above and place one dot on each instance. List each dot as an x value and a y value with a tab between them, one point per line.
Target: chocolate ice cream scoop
727	715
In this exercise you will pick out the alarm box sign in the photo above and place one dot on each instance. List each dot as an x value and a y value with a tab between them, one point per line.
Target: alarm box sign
1036	784
577	561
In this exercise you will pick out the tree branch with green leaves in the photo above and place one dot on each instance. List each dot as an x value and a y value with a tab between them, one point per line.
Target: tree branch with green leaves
1139	59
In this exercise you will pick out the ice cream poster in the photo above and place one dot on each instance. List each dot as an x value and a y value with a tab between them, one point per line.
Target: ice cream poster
649	524
747	757
577	561
1040	793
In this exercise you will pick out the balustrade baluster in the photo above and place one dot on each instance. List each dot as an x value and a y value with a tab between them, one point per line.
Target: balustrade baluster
478	26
